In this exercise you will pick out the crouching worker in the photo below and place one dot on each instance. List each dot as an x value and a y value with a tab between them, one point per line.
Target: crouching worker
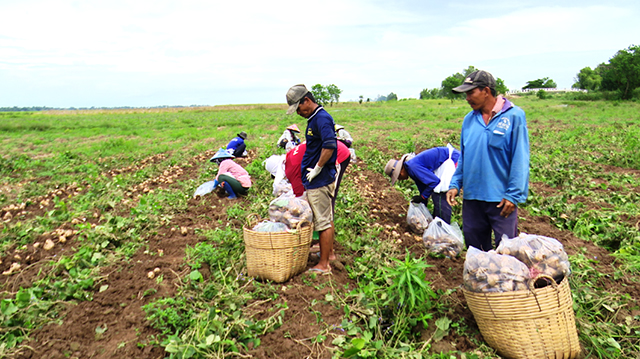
234	179
237	147
431	170
289	138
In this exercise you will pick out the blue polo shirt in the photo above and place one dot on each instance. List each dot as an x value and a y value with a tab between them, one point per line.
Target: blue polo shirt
320	134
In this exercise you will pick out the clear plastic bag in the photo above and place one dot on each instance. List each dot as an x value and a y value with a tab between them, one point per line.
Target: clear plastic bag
270	226
204	188
442	238
290	210
418	217
493	272
542	255
281	187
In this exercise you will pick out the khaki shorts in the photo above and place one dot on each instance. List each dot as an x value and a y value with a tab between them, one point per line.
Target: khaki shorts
320	202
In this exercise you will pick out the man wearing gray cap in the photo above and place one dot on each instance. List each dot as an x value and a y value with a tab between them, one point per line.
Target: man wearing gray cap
318	167
493	168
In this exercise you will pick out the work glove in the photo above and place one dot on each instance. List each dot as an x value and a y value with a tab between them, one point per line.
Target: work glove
417	199
313	172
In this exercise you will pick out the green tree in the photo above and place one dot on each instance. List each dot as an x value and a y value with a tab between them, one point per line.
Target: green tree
543	83
587	79
427	94
334	93
392	97
622	73
469	70
501	88
321	94
360	99
449	83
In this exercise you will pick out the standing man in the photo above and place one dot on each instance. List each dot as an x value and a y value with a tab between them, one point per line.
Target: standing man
493	169
318	167
431	170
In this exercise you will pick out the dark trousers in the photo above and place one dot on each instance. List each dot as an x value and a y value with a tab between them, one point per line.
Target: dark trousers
239	151
479	218
343	167
235	184
441	207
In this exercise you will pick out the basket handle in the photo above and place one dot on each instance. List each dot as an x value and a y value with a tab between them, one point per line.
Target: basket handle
299	226
533	281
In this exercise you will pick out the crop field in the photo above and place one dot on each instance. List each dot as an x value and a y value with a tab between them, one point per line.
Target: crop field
105	253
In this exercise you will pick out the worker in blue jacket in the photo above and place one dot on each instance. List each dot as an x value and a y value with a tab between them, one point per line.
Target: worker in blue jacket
431	170
236	146
493	170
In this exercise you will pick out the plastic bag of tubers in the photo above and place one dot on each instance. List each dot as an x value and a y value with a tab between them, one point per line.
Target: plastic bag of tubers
442	238
290	210
281	187
418	217
542	255
493	272
270	226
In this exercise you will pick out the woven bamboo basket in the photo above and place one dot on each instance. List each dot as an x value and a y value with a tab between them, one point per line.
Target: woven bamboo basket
535	323
276	256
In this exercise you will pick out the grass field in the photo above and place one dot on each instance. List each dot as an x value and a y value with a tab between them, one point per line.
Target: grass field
104	251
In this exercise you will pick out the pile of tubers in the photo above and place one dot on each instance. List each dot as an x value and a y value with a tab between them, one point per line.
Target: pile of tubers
493	272
441	238
518	263
418	218
290	210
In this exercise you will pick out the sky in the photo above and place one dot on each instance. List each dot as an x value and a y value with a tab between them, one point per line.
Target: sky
142	53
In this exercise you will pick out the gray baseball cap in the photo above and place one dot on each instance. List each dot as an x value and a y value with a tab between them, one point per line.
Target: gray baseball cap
475	79
294	95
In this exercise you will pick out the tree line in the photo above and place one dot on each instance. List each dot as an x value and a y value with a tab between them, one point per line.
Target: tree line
620	75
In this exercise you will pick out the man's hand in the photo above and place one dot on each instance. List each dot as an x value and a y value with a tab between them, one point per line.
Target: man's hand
507	207
451	196
313	172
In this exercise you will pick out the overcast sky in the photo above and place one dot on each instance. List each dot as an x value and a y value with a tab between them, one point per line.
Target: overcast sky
109	53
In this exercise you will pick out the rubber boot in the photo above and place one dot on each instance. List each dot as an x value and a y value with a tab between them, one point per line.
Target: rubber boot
227	187
215	183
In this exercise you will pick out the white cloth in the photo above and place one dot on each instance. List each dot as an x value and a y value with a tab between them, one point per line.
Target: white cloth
445	172
274	163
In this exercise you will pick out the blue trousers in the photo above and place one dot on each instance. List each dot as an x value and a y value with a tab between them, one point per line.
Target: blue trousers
479	218
441	207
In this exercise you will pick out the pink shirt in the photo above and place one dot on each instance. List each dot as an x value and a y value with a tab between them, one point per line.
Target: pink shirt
236	171
498	106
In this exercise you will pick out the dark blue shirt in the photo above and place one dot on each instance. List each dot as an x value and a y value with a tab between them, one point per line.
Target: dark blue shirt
234	143
320	134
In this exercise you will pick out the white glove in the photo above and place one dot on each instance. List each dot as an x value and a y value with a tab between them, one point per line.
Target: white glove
313	172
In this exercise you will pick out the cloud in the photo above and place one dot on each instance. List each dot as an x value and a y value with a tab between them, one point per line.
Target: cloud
120	50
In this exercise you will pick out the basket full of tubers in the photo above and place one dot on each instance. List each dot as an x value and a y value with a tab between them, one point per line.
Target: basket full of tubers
515	317
273	253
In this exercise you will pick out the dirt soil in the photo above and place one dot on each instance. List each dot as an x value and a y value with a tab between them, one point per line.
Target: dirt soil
118	308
